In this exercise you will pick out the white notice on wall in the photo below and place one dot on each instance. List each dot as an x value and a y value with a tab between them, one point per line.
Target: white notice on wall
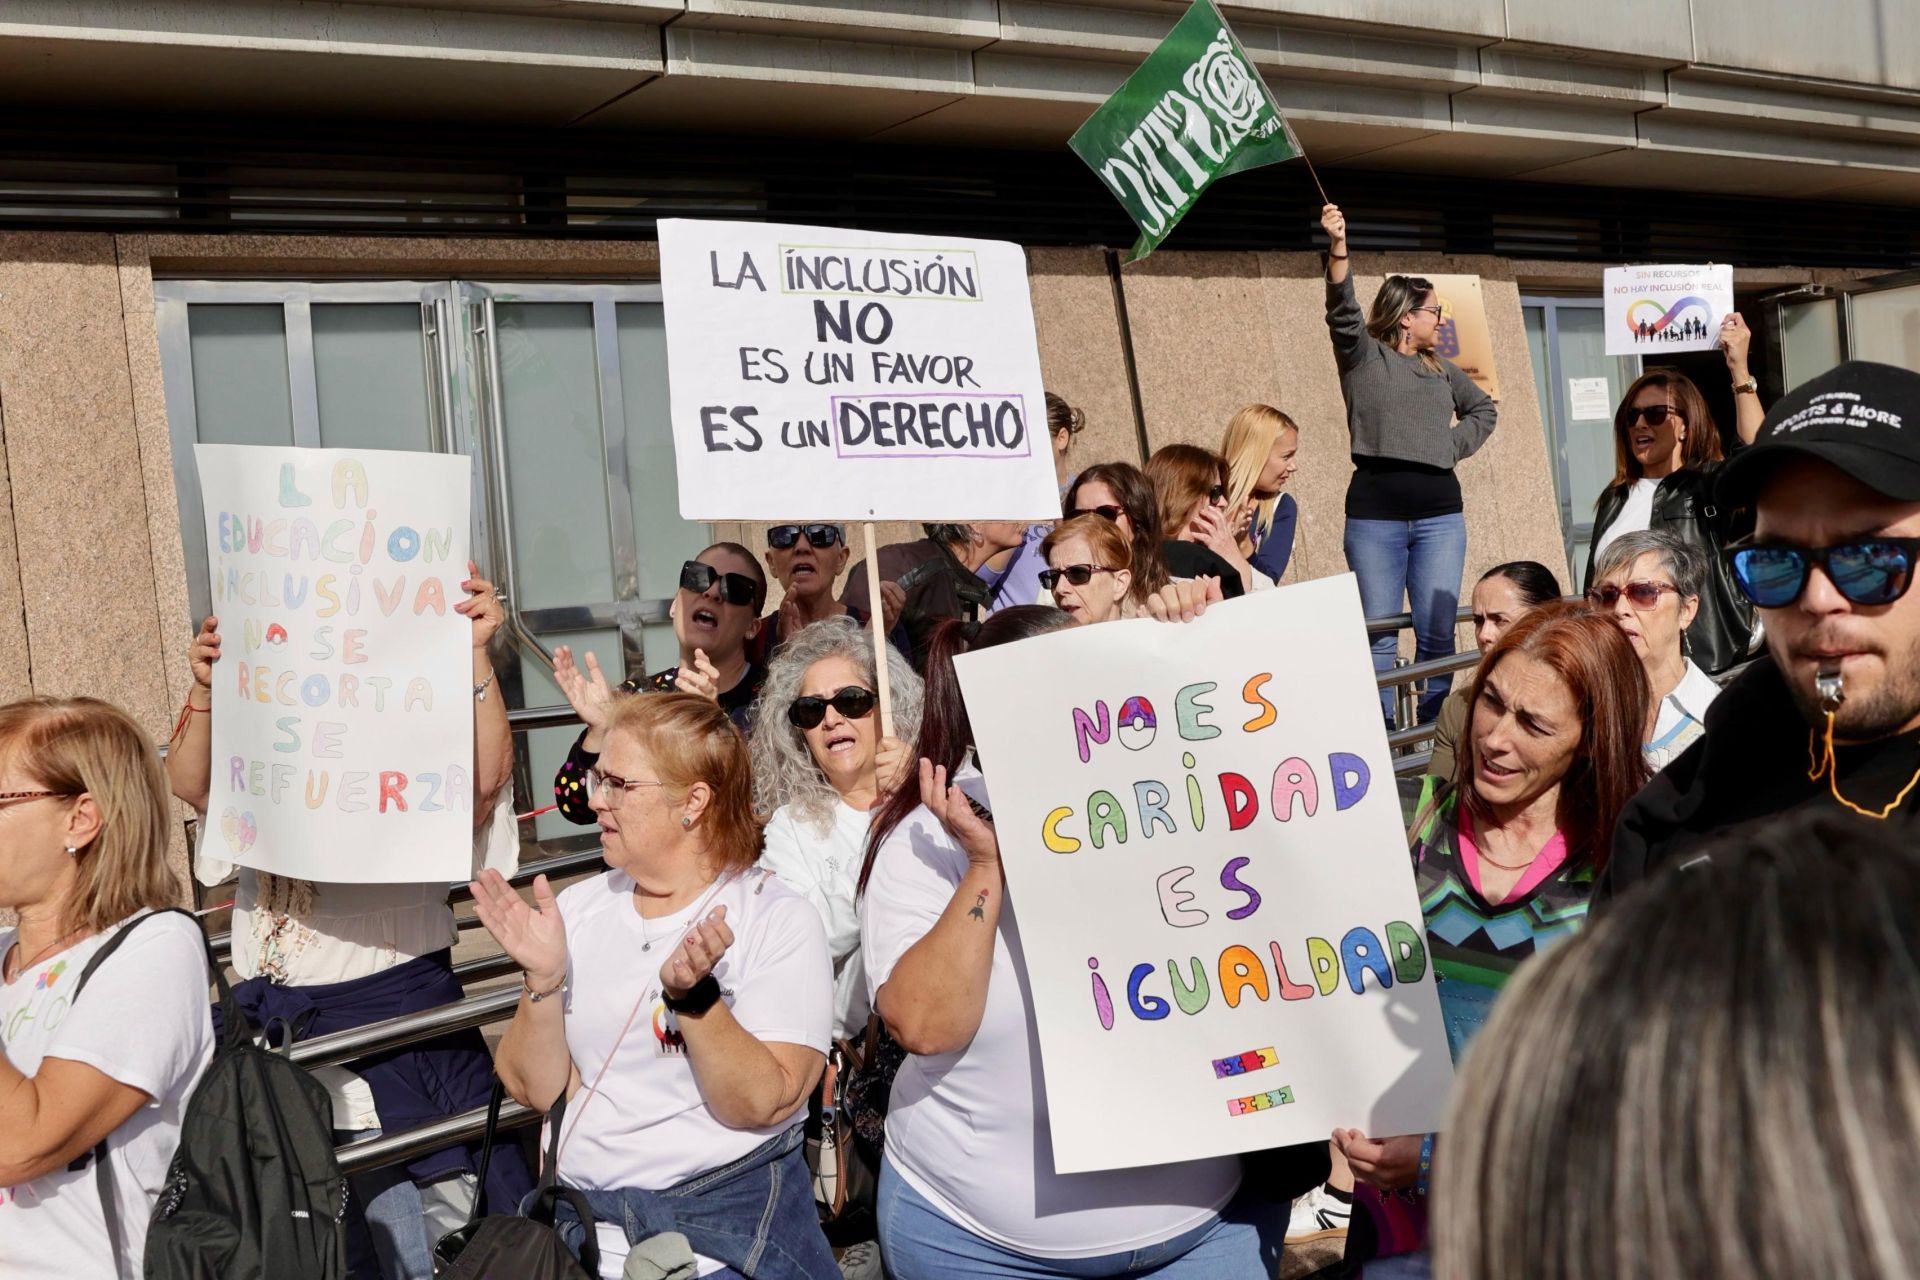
343	698
822	373
1207	860
1589	400
1656	310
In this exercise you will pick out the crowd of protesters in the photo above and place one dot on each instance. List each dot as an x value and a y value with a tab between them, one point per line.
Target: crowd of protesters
1711	754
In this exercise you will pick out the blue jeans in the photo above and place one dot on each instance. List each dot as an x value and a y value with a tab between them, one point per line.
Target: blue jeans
1417	560
918	1242
393	1223
1406	1266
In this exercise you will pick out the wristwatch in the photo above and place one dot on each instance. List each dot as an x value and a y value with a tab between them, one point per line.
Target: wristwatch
1751	386
700	997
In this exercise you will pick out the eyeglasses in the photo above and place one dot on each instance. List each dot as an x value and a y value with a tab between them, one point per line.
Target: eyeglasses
599	779
735	588
1655	414
1868	571
852	702
25	797
1439	312
1217	494
1641	595
782	536
1078	574
1108	512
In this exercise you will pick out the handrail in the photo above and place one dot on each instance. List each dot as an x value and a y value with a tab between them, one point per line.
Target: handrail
409	1028
409	1144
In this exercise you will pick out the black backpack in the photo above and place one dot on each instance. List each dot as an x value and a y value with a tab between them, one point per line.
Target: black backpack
254	1191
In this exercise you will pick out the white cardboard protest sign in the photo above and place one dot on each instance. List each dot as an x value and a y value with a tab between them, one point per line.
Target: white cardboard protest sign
1653	310
1205	855
817	373
343	698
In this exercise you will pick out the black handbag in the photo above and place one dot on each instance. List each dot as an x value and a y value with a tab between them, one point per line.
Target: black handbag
526	1248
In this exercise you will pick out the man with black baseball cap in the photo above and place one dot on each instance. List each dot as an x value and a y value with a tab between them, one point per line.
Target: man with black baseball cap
1830	718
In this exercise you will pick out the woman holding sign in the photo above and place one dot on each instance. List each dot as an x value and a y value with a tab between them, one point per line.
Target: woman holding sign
1412	417
1504	857
967	1187
328	957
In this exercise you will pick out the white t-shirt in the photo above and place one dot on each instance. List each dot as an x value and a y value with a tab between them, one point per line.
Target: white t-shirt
1636	515
350	930
825	870
142	1022
969	1129
650	1128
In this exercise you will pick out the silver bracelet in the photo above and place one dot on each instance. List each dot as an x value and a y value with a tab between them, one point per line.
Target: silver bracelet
535	997
480	690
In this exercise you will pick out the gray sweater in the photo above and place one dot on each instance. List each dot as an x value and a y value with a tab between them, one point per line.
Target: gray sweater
1396	407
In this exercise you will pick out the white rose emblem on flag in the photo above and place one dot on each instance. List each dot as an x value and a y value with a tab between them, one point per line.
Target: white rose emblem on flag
1221	81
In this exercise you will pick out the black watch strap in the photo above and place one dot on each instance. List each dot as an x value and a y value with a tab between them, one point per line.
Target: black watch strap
700	997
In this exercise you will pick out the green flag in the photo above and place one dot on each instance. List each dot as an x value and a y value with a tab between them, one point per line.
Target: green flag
1194	112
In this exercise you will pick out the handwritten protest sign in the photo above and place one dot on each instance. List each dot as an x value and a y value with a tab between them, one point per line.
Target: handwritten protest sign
1204	850
342	701
1657	310
1195	112
818	373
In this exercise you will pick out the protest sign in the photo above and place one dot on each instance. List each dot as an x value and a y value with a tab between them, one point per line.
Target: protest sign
820	374
1195	112
1655	310
342	701
1205	854
1464	336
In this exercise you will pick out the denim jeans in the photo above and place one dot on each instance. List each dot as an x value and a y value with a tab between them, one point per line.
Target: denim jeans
393	1223
1420	561
1406	1266
918	1242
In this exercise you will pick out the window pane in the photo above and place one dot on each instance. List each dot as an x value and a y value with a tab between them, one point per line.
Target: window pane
370	366
240	391
1886	326
1583	354
556	454
1535	322
547	748
1809	339
665	540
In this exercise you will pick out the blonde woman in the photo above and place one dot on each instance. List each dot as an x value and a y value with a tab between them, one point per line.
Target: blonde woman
84	828
1259	449
1412	417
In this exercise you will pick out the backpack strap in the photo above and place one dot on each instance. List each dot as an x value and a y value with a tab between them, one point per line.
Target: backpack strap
103	1176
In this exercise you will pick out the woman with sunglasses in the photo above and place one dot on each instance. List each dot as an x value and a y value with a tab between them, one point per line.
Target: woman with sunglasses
1413	417
1121	493
677	1007
84	824
820	767
967	1186
1190	489
1087	570
716	614
1259	449
1667	455
1650	583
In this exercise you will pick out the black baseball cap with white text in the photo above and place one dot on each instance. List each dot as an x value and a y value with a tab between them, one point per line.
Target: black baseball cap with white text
1861	417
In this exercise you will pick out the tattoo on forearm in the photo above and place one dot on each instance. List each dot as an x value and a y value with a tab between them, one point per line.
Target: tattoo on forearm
979	908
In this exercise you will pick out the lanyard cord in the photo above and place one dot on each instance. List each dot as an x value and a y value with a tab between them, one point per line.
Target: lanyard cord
1818	764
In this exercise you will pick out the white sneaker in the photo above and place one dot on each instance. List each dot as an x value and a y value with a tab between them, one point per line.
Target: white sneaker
861	1261
1318	1216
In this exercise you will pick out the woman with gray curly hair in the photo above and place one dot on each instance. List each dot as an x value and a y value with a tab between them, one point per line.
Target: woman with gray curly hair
819	767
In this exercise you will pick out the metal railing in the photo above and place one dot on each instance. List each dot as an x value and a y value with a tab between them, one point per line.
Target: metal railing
483	1008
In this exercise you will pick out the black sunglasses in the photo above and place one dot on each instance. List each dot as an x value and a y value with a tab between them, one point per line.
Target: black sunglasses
852	702
1217	494
782	536
1078	574
1109	512
735	588
1867	571
1655	414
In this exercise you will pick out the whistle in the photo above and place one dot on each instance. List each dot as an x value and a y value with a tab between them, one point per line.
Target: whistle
1828	684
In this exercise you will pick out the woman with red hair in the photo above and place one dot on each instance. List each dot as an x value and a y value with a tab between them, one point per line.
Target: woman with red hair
1504	855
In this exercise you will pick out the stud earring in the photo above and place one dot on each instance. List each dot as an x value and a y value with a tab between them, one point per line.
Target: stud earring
73	851
686	824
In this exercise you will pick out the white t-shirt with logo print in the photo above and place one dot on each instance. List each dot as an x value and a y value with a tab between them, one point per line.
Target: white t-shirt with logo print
649	1126
142	1022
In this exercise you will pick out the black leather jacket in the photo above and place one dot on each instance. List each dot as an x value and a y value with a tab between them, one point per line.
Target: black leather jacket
1683	505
